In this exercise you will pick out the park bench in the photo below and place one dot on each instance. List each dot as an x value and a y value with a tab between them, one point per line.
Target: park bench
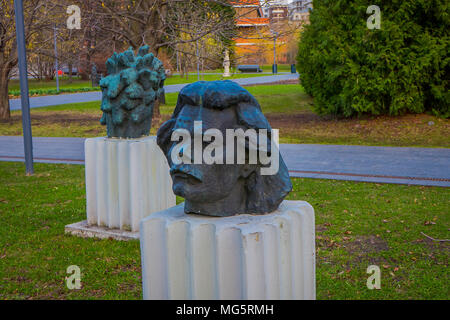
249	68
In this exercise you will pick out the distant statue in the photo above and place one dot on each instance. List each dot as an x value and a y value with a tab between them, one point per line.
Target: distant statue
94	76
221	188
129	93
226	65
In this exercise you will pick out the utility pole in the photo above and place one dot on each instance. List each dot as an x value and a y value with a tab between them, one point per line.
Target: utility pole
25	101
178	63
198	63
56	59
274	67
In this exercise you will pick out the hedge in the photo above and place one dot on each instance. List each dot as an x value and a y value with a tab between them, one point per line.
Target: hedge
40	92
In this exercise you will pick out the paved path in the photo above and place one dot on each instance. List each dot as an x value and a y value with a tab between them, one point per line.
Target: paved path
44	101
420	166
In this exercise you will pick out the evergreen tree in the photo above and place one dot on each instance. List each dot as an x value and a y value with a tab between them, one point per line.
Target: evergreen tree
402	67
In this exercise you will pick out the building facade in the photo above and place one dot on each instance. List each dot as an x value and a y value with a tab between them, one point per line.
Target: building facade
299	10
260	22
252	32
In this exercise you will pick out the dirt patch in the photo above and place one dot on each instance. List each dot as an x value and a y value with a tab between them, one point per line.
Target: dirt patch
292	81
356	124
406	130
298	126
56	118
365	248
366	244
278	120
67	118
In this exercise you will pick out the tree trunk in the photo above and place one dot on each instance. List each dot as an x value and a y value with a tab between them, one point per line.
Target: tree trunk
87	63
4	99
162	97
156	112
70	72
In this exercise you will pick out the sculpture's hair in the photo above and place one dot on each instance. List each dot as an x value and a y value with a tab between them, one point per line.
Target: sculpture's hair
264	192
129	92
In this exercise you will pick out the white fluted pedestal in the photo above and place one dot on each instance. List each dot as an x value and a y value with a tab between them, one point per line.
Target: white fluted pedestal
240	257
126	180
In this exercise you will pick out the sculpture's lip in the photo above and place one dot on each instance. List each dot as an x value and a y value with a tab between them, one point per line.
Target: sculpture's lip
176	173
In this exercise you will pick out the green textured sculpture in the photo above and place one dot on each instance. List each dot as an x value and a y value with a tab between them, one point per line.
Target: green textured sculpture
129	93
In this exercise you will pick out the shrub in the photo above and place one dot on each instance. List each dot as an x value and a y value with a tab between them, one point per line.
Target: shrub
402	67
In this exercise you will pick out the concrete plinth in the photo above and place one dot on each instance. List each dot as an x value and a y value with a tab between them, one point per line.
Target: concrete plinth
126	180
240	257
82	229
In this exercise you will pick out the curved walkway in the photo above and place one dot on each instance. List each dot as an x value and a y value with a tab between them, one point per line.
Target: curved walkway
45	101
418	166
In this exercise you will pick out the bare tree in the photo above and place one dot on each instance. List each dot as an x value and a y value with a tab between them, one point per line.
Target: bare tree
35	14
169	25
164	23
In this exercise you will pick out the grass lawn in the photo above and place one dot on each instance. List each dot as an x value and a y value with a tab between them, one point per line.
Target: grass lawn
287	108
357	225
78	85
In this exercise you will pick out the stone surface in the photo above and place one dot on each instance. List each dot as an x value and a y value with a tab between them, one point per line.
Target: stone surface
221	189
129	93
126	180
188	256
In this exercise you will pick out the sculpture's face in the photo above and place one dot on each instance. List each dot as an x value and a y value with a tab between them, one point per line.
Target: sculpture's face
224	187
204	182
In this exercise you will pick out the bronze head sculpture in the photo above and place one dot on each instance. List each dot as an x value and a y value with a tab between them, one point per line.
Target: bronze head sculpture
223	188
129	92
